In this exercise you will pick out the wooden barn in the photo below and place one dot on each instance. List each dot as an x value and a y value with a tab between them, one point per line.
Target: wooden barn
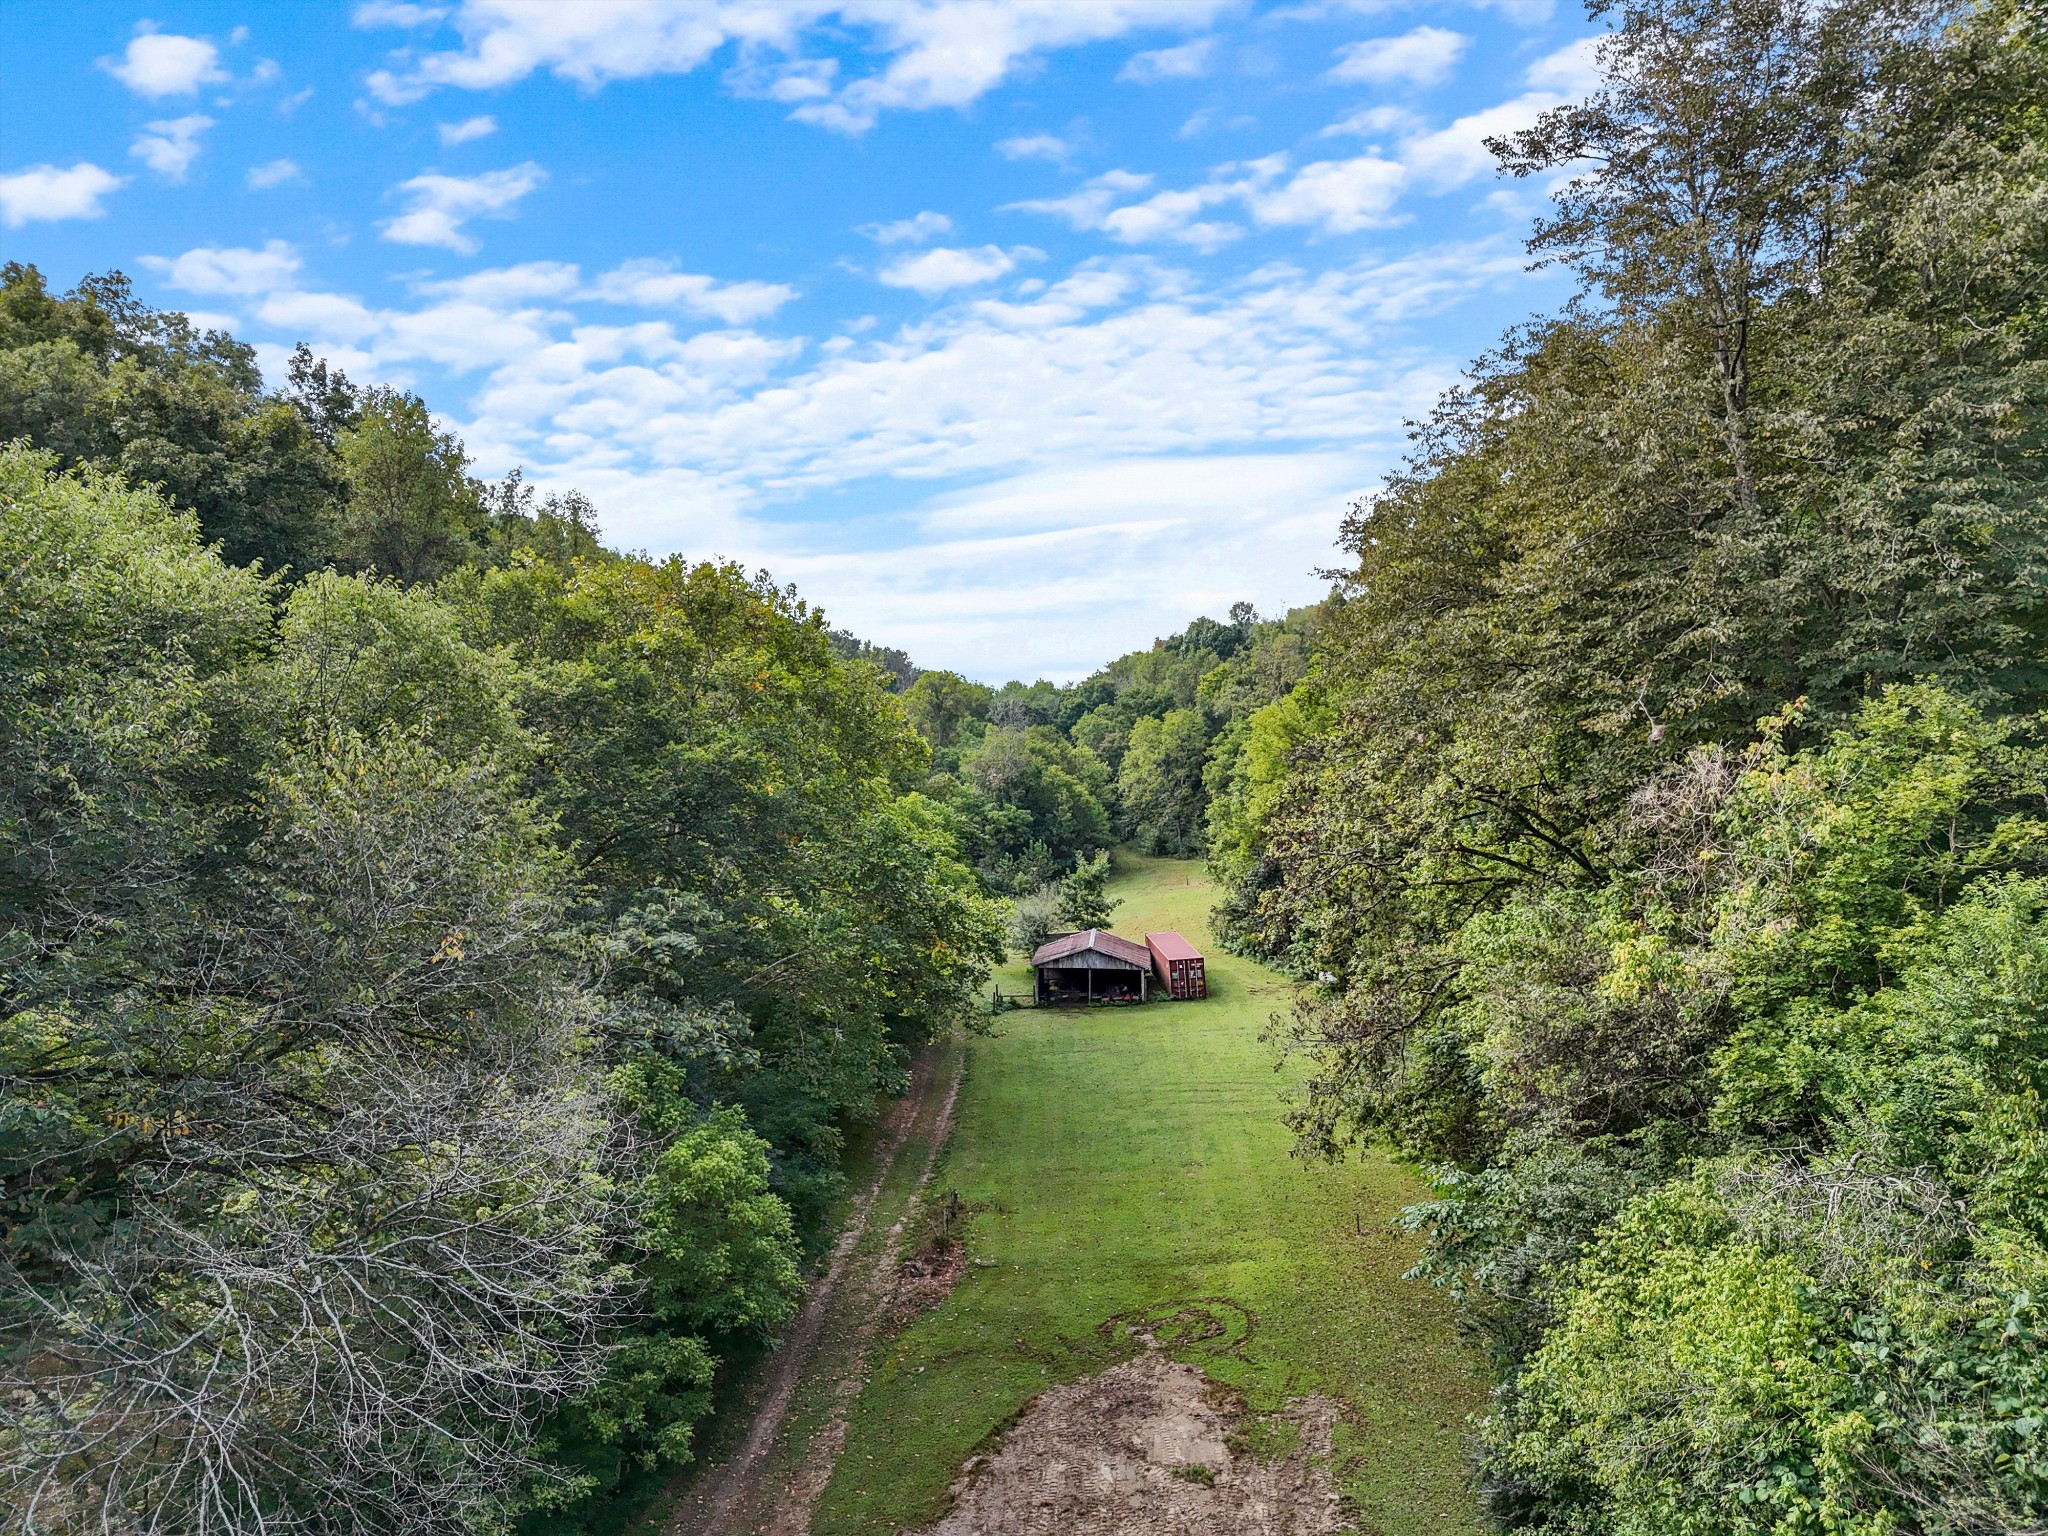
1177	965
1092	967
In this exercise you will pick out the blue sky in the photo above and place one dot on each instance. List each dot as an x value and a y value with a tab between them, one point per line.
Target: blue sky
1015	333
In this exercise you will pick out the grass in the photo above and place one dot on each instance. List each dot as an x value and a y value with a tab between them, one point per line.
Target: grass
1130	1164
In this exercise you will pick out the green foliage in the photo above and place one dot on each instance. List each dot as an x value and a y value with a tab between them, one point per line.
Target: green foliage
413	510
1080	900
96	378
1721	1039
481	956
1160	786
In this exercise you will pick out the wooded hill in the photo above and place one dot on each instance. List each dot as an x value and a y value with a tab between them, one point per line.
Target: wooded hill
1663	829
441	957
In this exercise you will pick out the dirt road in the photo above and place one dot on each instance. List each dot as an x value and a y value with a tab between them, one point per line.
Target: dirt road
769	1485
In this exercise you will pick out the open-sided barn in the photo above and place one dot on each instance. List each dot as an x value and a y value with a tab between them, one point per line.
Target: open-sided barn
1092	967
1097	967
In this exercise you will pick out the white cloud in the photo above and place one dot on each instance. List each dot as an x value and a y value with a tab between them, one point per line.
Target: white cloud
1332	196
396	13
1209	119
941	53
1573	69
657	285
469	128
1196	440
43	192
945	267
1425	56
273	173
159	64
1035	146
914	230
441	205
236	270
1085	209
1337	196
1189	61
1373	122
169	147
1452	156
501	286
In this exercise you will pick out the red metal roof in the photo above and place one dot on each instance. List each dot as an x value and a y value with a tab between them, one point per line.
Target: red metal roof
1095	939
1171	946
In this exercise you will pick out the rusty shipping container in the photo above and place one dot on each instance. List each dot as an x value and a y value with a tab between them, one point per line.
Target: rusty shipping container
1178	965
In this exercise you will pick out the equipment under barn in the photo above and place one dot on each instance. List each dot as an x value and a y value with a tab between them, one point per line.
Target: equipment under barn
1092	967
1178	965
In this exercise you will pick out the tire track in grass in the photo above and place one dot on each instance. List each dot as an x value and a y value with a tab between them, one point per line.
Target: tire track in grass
750	1492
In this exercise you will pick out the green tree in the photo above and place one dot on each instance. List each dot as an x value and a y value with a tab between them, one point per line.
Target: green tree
98	378
939	703
413	511
1160	785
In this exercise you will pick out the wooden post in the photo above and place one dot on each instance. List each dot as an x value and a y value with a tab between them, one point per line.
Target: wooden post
1091	984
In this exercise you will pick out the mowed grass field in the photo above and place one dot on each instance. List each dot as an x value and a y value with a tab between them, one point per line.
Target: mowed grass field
1131	1163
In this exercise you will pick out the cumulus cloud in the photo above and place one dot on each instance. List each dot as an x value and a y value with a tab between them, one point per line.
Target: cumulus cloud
159	64
941	53
1425	56
658	285
469	128
396	13
1034	146
914	230
1573	69
236	270
272	173
1189	61
1331	196
1338	197
169	147
945	267
440	205
1207	433
40	193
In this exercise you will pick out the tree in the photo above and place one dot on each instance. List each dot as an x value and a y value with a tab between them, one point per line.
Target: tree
413	511
308	1173
98	378
1706	174
1160	783
939	702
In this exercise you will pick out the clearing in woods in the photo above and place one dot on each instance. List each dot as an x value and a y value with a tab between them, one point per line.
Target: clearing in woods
1129	1209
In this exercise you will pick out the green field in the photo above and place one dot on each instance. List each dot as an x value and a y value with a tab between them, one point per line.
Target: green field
1128	1161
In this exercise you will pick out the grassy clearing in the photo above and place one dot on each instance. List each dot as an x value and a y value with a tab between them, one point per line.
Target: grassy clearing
1130	1163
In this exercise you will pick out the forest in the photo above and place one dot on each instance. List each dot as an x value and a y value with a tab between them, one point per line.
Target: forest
1662	830
444	960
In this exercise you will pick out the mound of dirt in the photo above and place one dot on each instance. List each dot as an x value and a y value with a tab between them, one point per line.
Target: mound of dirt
1150	1447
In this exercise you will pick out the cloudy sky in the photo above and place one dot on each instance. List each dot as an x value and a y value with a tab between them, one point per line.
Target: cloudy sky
1015	332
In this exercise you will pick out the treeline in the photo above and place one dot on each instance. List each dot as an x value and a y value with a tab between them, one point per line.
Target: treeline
1662	836
440	958
1045	778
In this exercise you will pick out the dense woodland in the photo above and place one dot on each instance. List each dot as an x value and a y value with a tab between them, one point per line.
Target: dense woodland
1662	833
442	958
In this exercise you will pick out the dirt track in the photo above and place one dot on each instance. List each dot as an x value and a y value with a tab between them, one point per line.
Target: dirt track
763	1489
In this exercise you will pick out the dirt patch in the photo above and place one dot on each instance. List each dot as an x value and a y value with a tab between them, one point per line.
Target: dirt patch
1151	1447
925	1280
